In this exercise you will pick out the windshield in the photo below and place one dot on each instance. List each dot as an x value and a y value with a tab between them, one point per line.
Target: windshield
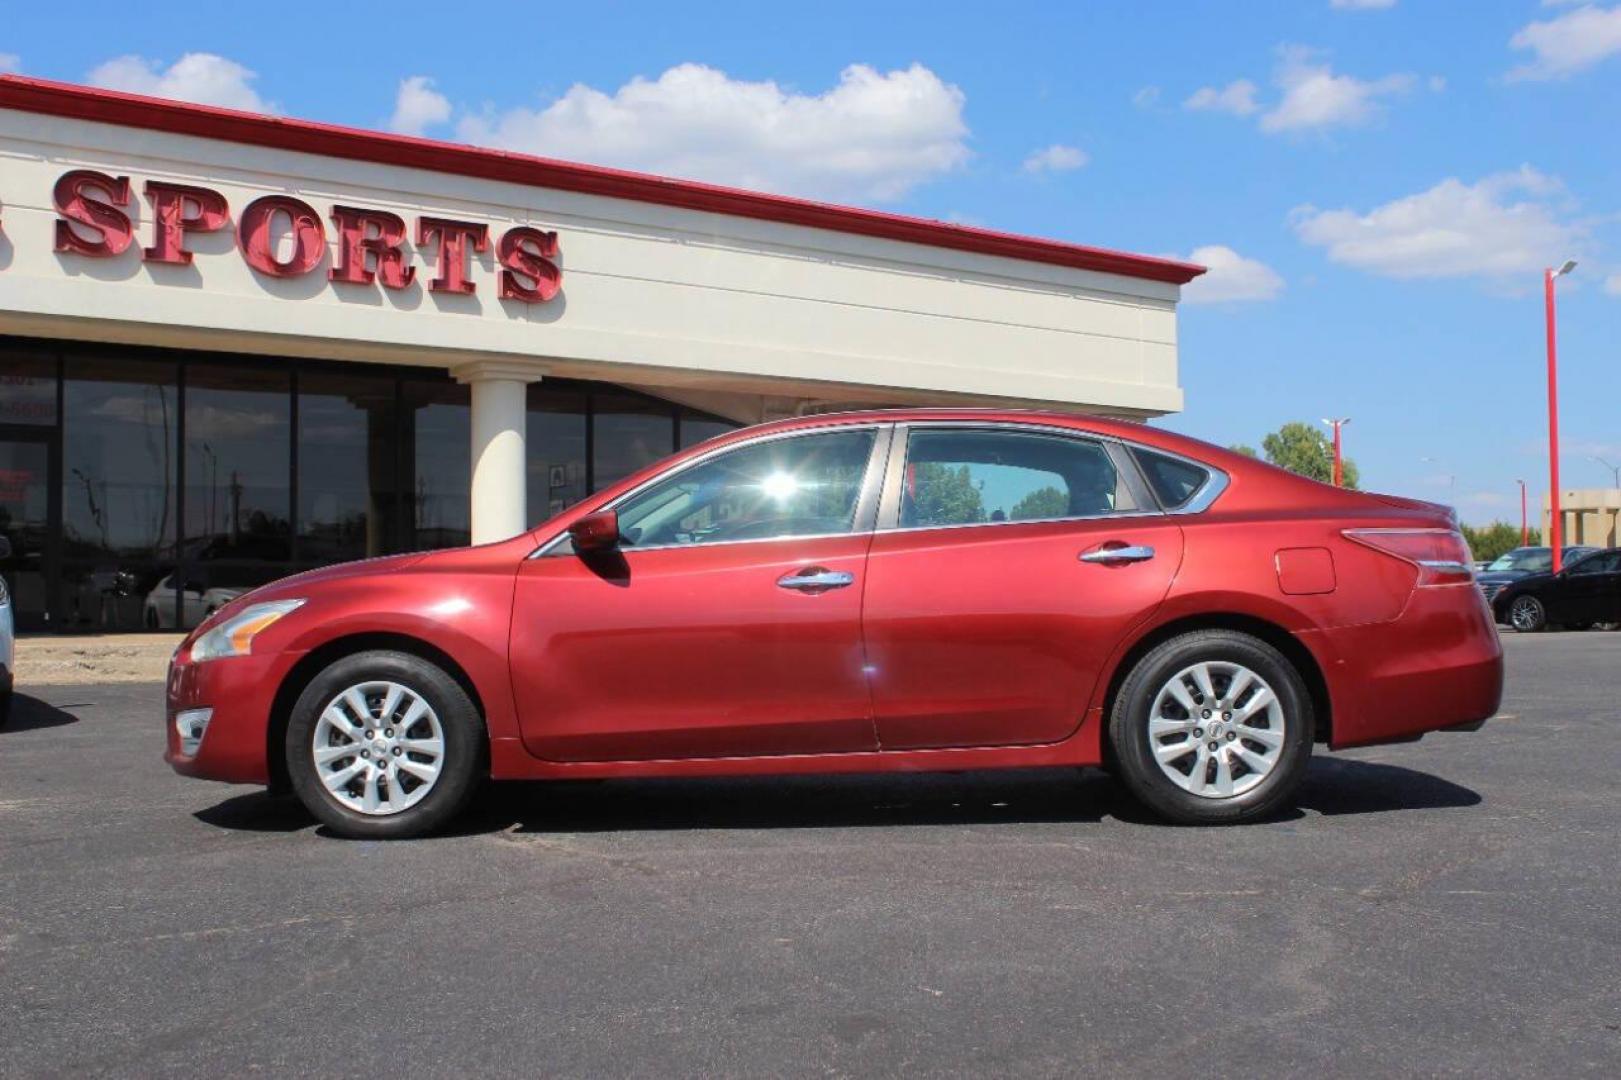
1524	559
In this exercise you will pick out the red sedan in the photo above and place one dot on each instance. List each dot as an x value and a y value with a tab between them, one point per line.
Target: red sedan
883	591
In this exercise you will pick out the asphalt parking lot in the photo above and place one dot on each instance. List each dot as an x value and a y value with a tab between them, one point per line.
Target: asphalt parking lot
1446	907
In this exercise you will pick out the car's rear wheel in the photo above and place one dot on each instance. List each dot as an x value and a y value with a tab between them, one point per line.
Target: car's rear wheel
1212	727
385	745
1527	615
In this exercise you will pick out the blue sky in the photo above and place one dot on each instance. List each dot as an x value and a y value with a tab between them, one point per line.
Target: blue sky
1377	183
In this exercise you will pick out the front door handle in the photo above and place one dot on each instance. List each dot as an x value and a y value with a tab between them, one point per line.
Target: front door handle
1138	553
816	579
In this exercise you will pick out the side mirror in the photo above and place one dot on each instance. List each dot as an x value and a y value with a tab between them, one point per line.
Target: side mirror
595	532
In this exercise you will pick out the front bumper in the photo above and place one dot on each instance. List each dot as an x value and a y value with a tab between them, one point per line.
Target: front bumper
241	691
1438	665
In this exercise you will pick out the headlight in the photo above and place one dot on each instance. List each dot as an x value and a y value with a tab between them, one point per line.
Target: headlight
234	636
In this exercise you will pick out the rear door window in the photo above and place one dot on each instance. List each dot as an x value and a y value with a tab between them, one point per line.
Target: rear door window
973	477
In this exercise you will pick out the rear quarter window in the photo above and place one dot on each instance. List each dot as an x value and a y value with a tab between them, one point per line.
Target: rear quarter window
1173	480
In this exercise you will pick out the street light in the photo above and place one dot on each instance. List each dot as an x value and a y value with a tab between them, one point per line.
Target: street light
1555	518
1339	474
1525	524
1452	478
1616	469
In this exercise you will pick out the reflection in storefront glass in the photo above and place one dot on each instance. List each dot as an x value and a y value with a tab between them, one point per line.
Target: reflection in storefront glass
438	427
119	426
628	433
555	447
346	467
237	507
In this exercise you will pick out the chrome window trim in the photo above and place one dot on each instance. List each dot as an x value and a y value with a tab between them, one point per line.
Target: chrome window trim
861	521
1215	483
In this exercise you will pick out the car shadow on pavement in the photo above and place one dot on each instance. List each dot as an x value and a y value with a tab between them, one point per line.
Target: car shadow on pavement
29	713
1332	787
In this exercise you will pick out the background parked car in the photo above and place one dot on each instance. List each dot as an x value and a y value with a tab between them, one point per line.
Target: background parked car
1587	592
1522	562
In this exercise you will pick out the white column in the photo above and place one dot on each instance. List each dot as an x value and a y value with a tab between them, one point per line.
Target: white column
499	416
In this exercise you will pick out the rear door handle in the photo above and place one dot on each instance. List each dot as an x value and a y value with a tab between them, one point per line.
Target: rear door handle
1138	553
816	579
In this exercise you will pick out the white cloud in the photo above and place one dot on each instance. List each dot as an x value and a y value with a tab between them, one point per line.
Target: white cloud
1612	284
1568	43
201	77
10	61
1311	94
1237	97
1146	98
874	136
1056	158
1229	277
1361	5
1315	97
1505	224
418	106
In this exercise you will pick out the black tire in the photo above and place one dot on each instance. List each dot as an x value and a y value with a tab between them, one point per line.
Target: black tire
466	746
1129	736
1527	615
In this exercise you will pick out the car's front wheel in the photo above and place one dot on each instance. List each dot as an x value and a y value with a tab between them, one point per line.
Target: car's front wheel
1212	727
385	745
1527	615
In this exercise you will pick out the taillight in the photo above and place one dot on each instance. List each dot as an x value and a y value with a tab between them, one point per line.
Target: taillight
1441	555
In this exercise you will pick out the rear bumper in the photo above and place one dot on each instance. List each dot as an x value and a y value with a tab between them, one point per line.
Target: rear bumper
1437	666
240	690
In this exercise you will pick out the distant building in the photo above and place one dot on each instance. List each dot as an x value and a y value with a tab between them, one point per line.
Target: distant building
1591	516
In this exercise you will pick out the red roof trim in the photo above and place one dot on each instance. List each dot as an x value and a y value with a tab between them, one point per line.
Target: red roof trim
131	110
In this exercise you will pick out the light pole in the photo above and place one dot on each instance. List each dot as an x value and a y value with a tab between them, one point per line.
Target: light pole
1452	478
1556	523
1614	469
1339	473
1525	524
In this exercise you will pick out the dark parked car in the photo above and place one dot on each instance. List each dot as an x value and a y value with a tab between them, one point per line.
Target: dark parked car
1523	562
1585	592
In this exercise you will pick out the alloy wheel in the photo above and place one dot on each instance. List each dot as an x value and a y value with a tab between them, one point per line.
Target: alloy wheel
1216	729
1525	613
378	748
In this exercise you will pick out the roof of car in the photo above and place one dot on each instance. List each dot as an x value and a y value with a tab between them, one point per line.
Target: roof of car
1128	430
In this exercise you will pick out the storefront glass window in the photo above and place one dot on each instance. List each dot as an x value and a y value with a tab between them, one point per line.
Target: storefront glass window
555	446
438	427
628	432
118	493
347	463
237	527
27	389
695	429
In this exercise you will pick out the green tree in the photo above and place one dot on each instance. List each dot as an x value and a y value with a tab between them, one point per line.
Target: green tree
943	495
1487	542
1046	502
1243	448
1304	449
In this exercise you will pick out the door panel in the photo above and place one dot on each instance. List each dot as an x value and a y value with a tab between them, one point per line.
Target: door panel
996	634
688	652
726	623
1583	593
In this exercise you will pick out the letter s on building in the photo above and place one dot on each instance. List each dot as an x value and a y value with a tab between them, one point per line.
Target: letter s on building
108	227
528	254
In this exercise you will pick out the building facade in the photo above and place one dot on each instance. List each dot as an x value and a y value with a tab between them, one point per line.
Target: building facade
1590	516
233	346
